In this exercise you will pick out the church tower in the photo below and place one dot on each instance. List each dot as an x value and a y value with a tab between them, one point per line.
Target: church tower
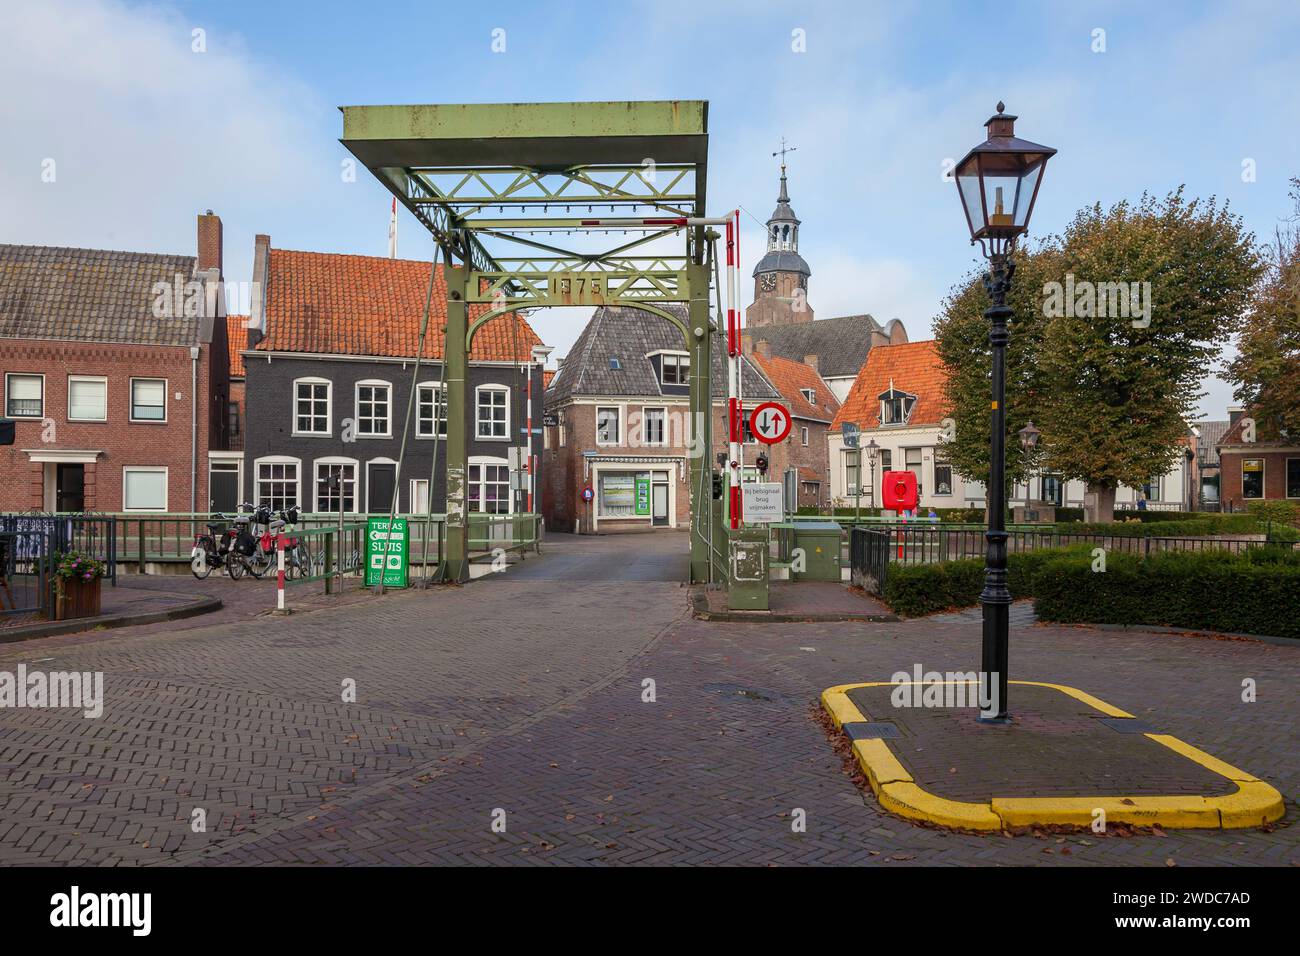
781	276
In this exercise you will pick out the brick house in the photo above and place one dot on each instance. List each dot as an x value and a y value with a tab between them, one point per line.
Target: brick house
812	407
103	355
618	421
328	363
1256	470
899	402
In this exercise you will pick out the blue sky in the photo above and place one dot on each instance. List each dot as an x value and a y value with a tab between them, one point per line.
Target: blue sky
146	133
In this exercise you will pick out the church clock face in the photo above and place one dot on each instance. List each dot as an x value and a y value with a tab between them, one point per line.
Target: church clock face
767	282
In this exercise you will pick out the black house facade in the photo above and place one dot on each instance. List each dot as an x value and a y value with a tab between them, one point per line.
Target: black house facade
329	373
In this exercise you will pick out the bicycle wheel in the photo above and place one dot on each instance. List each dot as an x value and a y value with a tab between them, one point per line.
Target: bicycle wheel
261	562
199	565
235	566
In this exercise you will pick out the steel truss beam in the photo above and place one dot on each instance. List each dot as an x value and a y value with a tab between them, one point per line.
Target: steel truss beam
587	168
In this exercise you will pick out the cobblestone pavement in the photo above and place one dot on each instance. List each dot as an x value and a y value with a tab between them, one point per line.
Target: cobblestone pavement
521	698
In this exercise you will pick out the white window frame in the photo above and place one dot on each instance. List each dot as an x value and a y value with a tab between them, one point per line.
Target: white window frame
937	463
356	411
478	422
481	461
803	435
166	487
1263	478
810	396
87	378
663	410
437	434
130	409
618	423
678	359
415	483
329	407
316	478
8	393
277	460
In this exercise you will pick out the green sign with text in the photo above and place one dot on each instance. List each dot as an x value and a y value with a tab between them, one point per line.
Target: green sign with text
387	550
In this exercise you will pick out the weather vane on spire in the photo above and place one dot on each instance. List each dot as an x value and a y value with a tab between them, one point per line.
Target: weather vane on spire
783	150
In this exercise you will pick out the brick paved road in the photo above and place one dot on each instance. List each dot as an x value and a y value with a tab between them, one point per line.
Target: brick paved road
524	693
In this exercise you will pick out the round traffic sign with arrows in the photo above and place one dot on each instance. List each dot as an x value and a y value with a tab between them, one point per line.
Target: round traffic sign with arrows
770	422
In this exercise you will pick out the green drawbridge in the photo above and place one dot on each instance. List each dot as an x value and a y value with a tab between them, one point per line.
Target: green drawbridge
559	204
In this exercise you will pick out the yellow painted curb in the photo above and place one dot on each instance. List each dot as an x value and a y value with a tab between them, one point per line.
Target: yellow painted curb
842	710
1182	812
1253	804
879	764
909	800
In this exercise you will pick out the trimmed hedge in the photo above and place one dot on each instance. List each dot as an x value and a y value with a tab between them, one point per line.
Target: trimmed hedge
1201	525
914	590
1256	592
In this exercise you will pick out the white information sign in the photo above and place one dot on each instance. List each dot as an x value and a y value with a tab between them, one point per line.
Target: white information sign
761	502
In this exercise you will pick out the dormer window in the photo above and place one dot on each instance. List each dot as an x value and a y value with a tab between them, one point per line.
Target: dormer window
676	369
810	395
896	407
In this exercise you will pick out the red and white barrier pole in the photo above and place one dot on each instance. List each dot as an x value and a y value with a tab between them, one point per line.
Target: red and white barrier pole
528	465
735	408
279	572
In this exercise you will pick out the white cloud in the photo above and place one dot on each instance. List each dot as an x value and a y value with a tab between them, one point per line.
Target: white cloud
144	133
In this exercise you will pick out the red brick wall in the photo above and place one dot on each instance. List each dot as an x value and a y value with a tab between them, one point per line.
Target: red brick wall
1274	475
564	466
121	441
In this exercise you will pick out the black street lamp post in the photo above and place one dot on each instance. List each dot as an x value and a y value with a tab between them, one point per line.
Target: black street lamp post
873	452
998	182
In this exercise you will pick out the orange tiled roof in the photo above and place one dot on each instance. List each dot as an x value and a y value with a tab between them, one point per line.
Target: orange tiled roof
367	305
789	377
547	375
237	340
914	367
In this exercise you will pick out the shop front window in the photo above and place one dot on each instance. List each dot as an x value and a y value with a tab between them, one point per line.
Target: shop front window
1252	478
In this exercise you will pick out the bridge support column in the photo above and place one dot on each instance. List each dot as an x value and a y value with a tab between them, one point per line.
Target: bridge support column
453	566
699	336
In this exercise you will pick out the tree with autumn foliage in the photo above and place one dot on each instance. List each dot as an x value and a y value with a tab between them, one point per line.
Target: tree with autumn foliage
1117	323
962	340
1266	371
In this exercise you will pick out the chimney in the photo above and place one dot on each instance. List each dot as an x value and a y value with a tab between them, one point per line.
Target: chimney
811	361
763	348
209	242
257	301
1234	414
746	342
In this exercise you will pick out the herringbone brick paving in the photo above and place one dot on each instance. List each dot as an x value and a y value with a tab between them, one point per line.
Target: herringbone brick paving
524	694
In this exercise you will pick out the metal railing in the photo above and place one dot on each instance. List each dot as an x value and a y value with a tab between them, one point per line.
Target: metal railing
24	575
869	558
140	539
929	545
328	554
94	535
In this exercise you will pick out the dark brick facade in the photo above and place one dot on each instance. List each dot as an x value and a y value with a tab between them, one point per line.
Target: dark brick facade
269	427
